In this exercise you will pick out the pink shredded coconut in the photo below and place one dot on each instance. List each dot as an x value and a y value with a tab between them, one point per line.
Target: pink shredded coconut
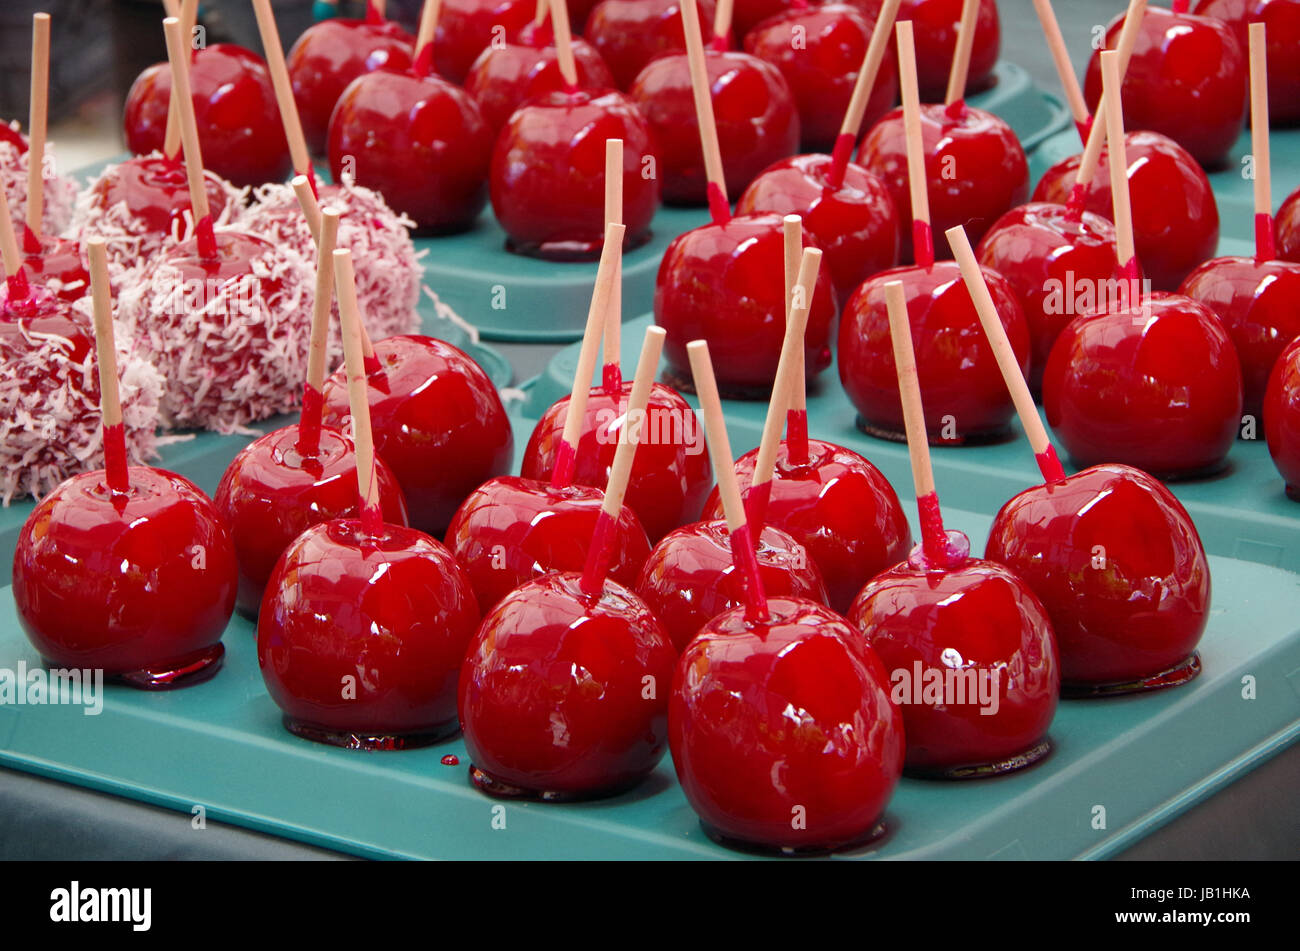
60	193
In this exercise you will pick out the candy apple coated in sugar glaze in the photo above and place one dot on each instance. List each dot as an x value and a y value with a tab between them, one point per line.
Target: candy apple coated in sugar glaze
1282	18
564	694
753	108
467	27
504	78
839	506
1287	228
155	192
57	264
1186	79
512	530
782	717
975	168
965	398
1057	263
691	576
548	174
822	68
671	474
1282	418
329	55
720	283
1118	564
1175	216
361	635
438	423
856	224
1158	388
417	140
138	583
971	660
276	489
240	132
628	34
937	22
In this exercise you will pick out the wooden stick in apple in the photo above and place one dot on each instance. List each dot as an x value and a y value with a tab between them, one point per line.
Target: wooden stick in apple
17	287
1118	166
36	127
283	87
178	56
116	473
566	453
423	63
604	538
788	377
309	422
722	26
187	11
922	236
1064	68
362	436
862	87
1265	241
1044	452
955	99
719	204
539	15
612	374
796	416
564	44
724	464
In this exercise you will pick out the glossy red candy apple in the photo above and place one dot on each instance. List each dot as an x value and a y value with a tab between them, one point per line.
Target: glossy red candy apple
971	658
362	633
936	23
671	473
1118	564
823	66
964	396
503	78
417	140
716	283
564	694
240	133
155	195
1282	19
329	55
438	423
1059	265
975	168
512	530
1186	79
753	108
548	174
691	577
1287	228
1257	303
856	224
782	731
1158	388
837	505
1175	216
628	34
747	14
140	584
1282	418
276	488
467	27
57	265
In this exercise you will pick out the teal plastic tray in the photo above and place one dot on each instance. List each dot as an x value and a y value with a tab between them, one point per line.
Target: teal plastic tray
220	745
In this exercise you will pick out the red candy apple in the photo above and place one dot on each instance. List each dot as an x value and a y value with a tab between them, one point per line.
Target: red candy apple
1186	79
1282	18
936	40
467	27
329	55
563	693
234	104
503	78
1287	227
753	108
747	14
155	193
1175	216
1121	570
628	34
438	423
57	264
1282	418
782	731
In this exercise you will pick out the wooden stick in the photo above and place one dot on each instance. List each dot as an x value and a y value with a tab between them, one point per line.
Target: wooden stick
961	55
862	88
116	471
362	436
310	207
612	377
13	258
1097	136
996	333
1265	242
1118	161
1064	68
719	205
722	25
564	43
37	119
566	453
724	465
423	62
180	66
309	421
922	239
172	137
539	16
283	87
792	226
